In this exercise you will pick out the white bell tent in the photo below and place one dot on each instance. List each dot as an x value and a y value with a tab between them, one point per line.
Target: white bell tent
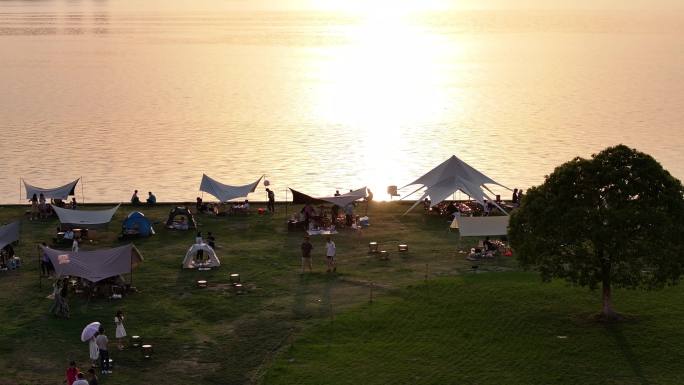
190	261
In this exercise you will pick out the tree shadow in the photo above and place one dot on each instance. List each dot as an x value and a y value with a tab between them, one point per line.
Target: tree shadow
615	331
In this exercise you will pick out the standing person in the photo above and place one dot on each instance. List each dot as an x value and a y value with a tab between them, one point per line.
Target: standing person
71	373
330	252
199	241
34	207
92	378
73	203
102	343
42	207
74	246
514	198
520	196
211	240
93	350
80	379
120	330
334	213
271	200
306	253
45	263
151	199
337	193
485	208
349	214
134	198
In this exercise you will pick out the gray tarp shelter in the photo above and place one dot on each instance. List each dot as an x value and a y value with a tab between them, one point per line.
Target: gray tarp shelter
87	218
9	233
341	200
226	192
61	192
94	265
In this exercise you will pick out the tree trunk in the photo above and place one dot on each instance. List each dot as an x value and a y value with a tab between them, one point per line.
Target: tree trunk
607	311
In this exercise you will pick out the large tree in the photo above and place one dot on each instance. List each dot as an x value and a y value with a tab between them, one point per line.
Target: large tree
615	220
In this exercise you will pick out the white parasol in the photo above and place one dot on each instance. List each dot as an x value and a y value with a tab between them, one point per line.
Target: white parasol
89	331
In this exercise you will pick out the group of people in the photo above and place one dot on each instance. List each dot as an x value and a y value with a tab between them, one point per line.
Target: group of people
517	197
40	209
98	352
330	254
151	198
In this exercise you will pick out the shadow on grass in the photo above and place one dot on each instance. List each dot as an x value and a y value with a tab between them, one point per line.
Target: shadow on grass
615	331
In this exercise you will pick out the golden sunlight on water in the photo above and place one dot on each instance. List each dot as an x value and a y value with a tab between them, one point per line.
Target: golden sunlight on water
150	96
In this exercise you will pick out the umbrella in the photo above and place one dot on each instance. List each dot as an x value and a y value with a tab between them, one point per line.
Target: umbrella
89	331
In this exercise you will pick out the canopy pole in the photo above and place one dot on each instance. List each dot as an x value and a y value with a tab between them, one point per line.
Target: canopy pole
82	193
131	268
285	202
40	269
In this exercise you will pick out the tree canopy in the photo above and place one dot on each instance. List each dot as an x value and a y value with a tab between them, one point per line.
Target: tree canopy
616	219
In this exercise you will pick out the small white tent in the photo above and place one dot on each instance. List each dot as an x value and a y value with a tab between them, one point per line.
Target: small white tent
85	218
481	226
454	175
189	262
61	192
226	192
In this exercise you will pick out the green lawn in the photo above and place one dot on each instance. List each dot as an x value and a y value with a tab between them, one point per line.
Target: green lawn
493	328
497	326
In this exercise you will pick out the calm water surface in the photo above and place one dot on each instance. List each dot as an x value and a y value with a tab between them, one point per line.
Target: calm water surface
150	97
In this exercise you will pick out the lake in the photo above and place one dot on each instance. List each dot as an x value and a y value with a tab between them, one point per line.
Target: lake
151	96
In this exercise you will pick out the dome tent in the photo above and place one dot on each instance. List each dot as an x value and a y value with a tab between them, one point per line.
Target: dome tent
137	224
190	262
181	212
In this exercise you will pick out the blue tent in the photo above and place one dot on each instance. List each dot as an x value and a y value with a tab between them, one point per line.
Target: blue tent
137	224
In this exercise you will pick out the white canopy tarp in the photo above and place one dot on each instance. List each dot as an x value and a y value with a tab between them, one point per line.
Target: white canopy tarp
211	260
9	233
347	198
94	265
450	176
482	226
83	217
226	192
61	192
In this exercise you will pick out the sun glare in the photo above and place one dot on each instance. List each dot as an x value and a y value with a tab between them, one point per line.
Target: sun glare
383	85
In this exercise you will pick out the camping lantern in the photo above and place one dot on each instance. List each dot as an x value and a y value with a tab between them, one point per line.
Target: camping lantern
147	351
403	247
234	278
202	283
136	341
384	255
238	288
373	247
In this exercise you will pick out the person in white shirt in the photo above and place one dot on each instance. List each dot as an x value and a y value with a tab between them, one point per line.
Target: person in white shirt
74	246
69	234
330	252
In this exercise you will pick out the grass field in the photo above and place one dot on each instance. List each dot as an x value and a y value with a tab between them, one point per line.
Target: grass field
497	326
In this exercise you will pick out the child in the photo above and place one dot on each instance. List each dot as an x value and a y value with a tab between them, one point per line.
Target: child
120	330
71	373
330	251
306	253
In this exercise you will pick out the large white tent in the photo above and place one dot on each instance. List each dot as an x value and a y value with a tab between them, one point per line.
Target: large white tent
85	218
61	192
454	175
226	192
